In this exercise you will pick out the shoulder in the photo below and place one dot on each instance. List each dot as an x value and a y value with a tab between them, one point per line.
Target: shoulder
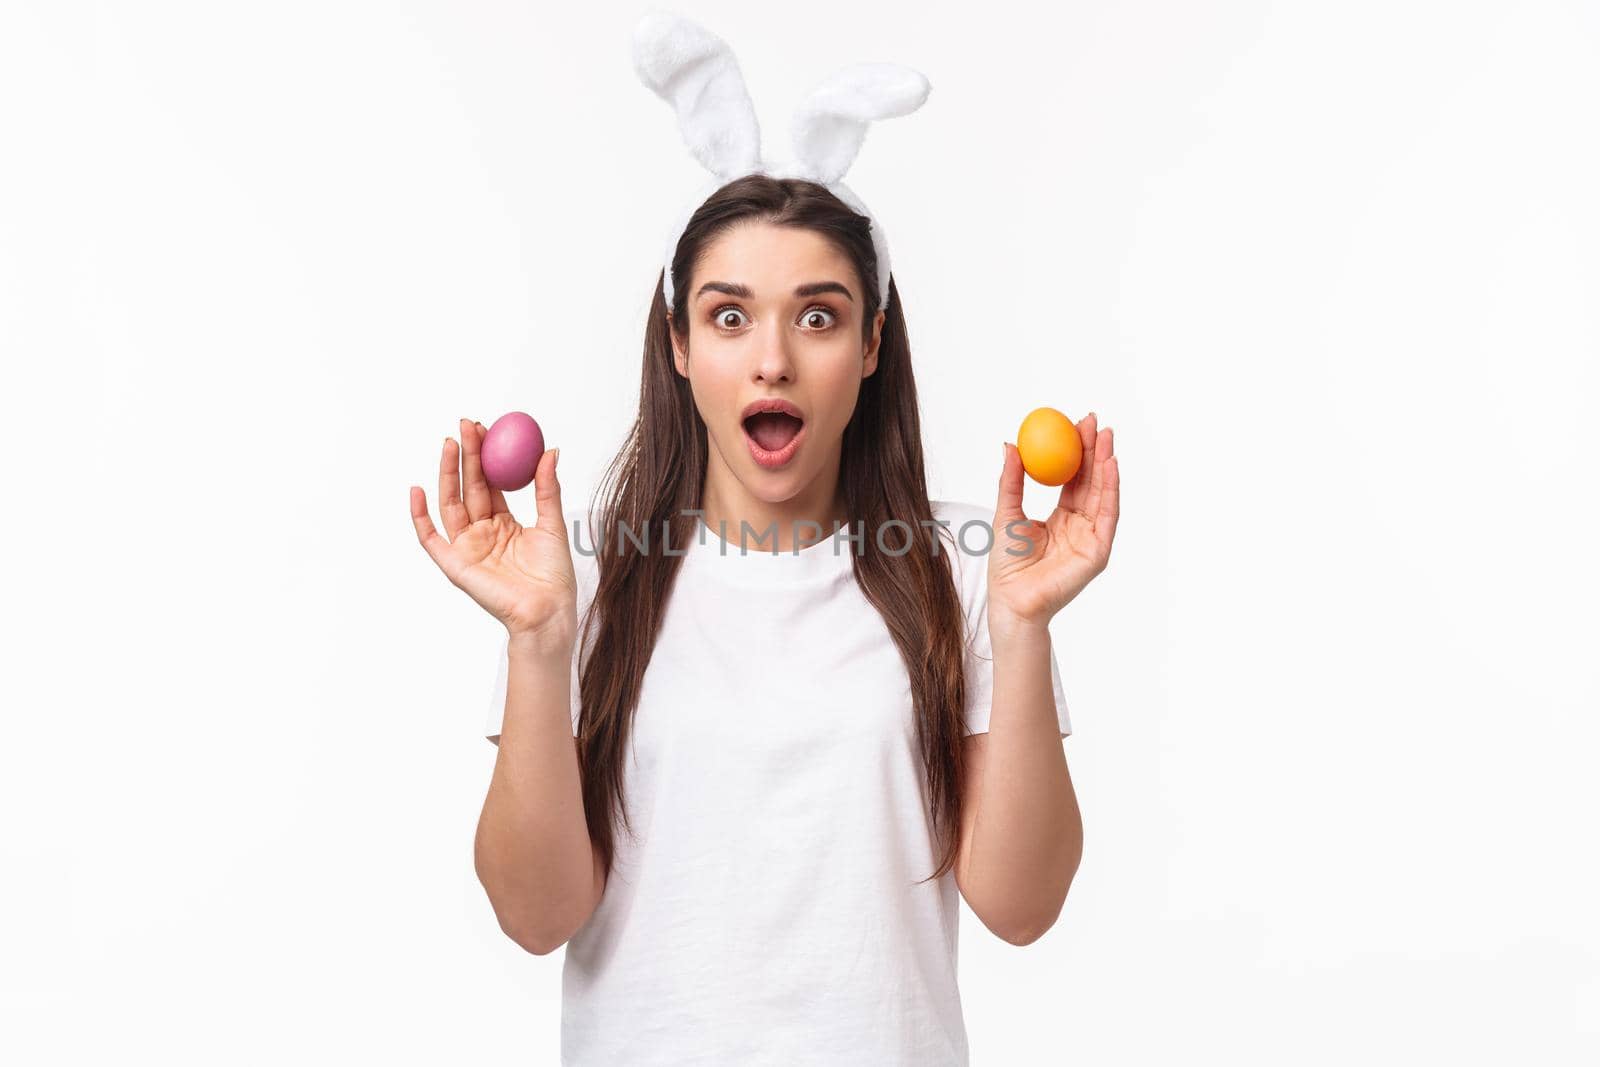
959	512
966	532
584	545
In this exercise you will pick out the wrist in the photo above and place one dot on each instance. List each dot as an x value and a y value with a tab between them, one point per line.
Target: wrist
1006	628
546	643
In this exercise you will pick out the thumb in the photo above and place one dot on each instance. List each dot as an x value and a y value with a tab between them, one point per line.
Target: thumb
1009	504
547	494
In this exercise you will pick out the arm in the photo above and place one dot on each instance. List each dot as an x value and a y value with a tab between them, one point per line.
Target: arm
1021	831
532	851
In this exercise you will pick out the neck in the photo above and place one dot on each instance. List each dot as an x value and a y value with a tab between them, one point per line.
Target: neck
727	502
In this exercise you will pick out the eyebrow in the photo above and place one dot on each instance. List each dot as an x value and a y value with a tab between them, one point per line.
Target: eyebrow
744	292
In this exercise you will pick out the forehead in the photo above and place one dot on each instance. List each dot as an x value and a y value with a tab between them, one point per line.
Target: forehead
772	260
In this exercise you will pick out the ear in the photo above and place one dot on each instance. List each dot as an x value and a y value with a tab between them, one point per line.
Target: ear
680	355
828	127
695	71
870	363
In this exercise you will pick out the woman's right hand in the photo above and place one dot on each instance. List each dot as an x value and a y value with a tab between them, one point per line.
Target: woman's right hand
523	576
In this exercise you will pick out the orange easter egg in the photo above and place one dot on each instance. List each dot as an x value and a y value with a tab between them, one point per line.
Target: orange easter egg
1049	446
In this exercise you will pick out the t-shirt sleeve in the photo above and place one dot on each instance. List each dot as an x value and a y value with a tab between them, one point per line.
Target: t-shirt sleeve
585	567
973	574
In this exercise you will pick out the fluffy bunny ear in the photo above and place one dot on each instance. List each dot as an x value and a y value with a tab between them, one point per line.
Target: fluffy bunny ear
694	70
831	122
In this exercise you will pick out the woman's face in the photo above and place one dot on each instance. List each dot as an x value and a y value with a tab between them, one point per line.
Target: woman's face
775	315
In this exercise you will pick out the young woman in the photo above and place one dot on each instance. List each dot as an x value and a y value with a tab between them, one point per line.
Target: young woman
808	705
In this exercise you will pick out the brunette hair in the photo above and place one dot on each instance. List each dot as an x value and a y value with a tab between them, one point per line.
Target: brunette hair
656	479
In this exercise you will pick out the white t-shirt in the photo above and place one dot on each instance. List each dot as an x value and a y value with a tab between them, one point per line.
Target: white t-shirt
768	911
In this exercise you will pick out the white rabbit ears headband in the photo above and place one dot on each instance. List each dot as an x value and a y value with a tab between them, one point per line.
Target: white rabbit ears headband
695	71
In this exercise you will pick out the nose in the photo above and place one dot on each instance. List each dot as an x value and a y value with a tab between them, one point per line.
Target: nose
774	362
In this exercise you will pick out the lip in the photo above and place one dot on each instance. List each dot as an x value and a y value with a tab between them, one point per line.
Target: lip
773	460
771	403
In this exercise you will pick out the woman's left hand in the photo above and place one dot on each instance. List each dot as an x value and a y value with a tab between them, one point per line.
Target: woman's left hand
1068	549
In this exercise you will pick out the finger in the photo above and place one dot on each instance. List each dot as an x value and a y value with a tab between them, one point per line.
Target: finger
451	510
1105	521
1097	476
1072	492
1009	503
497	499
547	494
1012	528
437	547
475	487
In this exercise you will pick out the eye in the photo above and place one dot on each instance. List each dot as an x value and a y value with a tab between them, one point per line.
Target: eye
717	316
813	312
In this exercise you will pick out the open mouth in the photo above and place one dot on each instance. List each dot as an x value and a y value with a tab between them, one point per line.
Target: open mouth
774	429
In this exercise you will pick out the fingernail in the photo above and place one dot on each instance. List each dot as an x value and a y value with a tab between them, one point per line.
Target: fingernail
555	457
1005	453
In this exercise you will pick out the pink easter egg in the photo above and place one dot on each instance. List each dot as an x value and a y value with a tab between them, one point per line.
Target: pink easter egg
511	451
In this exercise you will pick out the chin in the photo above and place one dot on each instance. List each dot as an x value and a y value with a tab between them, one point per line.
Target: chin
772	487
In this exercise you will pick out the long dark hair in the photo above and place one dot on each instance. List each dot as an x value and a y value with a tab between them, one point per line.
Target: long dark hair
658	475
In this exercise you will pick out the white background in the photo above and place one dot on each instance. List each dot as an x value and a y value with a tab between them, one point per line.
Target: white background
1329	270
